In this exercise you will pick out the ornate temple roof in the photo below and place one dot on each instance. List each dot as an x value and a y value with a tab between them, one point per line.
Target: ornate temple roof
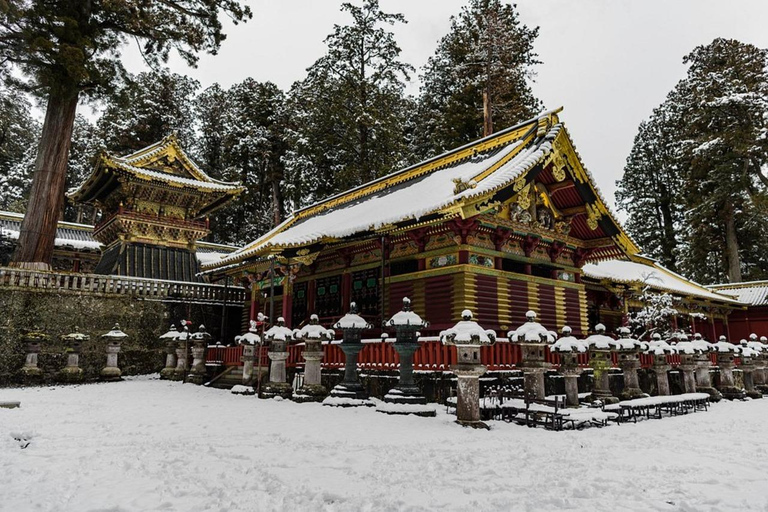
754	293
642	271
164	165
471	180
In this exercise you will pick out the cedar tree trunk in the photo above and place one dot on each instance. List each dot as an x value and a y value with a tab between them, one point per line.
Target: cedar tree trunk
731	245
46	198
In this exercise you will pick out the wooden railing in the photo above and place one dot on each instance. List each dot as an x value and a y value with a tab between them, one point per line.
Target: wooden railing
104	285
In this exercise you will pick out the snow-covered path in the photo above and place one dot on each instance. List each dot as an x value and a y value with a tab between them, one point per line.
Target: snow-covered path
146	444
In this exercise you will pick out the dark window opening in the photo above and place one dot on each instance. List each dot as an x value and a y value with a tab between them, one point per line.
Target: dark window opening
399	268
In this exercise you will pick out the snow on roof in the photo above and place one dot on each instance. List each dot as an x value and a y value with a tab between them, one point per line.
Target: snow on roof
652	274
313	331
412	198
149	175
754	293
352	320
569	344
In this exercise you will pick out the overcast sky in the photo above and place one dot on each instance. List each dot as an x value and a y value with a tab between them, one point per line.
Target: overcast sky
607	62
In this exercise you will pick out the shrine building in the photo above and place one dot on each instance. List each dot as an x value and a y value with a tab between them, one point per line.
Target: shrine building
154	209
508	223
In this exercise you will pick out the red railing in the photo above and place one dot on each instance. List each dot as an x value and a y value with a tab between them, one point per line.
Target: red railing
432	356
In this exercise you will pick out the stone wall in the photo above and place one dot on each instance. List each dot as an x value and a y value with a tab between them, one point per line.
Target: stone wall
58	314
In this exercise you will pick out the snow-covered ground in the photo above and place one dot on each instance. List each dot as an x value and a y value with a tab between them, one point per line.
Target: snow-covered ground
146	444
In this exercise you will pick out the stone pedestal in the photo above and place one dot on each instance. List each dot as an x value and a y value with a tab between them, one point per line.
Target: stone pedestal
277	385
350	392
748	368
468	394
72	372
350	389
31	372
249	358
727	385
704	379
197	372
534	366
169	372
688	366
759	374
200	341
601	363
312	390
629	362
182	360
114	340
660	368
406	397
570	370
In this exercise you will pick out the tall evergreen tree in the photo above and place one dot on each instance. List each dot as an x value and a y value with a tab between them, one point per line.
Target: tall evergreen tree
65	49
483	65
19	132
348	114
727	86
147	107
651	190
706	149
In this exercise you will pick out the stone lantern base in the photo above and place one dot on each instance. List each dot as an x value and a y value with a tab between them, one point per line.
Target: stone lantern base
714	395
274	389
169	374
349	394
762	388
110	373
32	375
732	393
310	393
397	401
71	374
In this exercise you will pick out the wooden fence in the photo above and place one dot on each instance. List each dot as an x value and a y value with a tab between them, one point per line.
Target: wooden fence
432	356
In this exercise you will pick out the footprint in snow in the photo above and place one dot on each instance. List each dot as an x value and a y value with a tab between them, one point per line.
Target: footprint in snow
23	439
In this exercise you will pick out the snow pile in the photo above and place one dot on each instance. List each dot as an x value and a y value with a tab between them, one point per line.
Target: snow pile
279	331
467	332
143	445
251	337
352	320
313	331
532	332
406	317
627	342
600	341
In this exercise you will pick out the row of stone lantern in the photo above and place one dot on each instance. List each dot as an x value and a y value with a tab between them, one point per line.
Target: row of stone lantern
178	346
35	338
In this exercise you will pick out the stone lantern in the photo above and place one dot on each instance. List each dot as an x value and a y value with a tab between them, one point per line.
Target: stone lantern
761	378
406	397
688	364
33	340
726	353
73	341
702	348
169	338
533	339
569	348
200	341
114	338
659	349
277	336
182	359
468	337
600	349
312	335
250	341
350	392
629	350
748	356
